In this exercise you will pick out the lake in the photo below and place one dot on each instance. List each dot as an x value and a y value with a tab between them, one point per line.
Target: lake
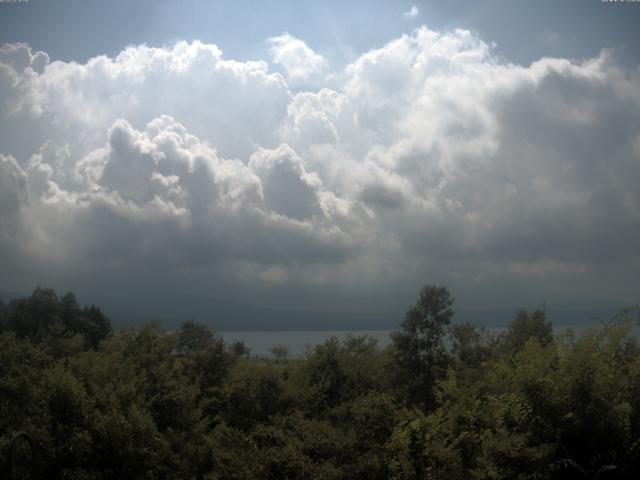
261	342
299	341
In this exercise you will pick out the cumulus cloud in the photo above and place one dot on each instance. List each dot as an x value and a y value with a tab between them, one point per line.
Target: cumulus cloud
163	195
433	160
232	104
300	63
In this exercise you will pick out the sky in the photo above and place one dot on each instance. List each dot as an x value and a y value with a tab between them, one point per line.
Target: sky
309	165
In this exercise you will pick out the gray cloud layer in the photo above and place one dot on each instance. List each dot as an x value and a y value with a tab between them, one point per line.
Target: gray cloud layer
426	160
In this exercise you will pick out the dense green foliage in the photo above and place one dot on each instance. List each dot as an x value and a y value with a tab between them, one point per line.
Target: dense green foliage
439	402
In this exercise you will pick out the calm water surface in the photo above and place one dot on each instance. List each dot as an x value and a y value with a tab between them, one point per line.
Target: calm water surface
299	342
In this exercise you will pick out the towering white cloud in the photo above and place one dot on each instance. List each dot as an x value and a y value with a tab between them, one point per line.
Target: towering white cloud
232	104
434	160
300	63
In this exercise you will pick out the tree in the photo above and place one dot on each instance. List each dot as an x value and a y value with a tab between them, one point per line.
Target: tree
43	316
469	345
281	352
193	336
526	326
419	353
240	349
248	396
336	372
69	310
94	324
31	317
206	359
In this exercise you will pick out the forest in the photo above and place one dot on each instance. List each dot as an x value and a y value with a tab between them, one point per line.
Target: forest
443	401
